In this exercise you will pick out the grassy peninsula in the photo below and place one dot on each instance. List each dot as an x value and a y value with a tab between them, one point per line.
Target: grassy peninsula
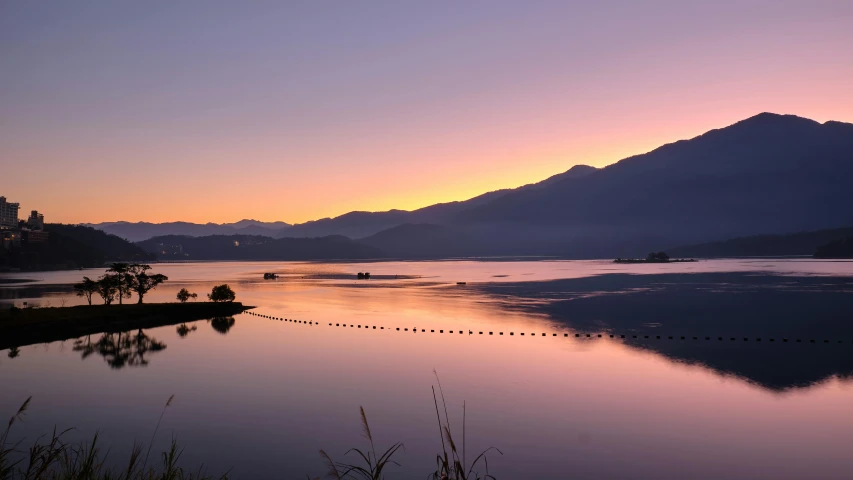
19	327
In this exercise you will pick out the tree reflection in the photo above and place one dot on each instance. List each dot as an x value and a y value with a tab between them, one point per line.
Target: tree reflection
84	346
14	352
222	324
184	330
120	349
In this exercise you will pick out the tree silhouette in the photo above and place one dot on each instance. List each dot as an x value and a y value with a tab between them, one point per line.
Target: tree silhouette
141	282
107	288
86	288
184	295
222	293
123	279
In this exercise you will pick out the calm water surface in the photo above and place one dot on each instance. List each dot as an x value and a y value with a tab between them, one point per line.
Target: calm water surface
261	397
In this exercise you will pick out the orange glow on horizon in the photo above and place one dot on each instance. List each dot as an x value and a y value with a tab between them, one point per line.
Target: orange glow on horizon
412	106
482	171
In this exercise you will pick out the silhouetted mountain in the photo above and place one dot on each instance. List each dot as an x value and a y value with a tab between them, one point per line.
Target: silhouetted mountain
254	247
110	247
841	248
364	224
422	240
802	243
135	232
578	171
767	173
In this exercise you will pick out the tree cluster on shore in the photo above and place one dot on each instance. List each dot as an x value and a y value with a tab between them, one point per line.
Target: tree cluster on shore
120	281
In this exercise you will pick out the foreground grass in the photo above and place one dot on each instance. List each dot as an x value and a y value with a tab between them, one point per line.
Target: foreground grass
50	458
451	464
42	325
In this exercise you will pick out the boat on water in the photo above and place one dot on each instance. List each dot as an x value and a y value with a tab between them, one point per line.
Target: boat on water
270	276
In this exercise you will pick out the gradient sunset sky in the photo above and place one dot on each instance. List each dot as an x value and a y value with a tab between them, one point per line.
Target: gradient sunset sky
217	111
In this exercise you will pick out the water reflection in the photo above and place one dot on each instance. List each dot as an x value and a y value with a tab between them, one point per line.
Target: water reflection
14	352
183	330
709	305
222	324
122	349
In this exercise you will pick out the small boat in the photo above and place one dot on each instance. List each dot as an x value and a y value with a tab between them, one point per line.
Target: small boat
270	276
461	283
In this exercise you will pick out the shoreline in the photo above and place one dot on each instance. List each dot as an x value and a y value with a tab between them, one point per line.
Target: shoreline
43	325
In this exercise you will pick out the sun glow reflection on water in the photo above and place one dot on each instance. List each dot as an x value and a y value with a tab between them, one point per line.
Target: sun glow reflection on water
265	395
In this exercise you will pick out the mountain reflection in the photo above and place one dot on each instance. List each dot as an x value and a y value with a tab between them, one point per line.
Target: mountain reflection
728	305
121	349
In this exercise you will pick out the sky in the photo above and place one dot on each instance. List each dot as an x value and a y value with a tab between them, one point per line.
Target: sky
212	111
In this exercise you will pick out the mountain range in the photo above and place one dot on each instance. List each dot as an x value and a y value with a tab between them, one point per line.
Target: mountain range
767	174
139	231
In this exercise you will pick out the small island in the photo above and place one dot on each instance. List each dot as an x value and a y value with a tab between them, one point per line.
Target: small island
655	257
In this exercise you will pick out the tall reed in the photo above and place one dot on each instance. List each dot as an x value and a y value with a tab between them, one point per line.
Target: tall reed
450	465
53	459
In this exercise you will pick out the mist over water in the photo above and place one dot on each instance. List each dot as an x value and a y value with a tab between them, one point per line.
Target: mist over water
263	396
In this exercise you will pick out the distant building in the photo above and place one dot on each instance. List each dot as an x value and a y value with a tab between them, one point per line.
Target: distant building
34	236
10	238
36	221
14	232
8	214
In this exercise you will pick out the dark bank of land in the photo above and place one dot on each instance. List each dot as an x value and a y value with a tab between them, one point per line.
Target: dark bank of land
70	247
827	243
646	260
41	325
654	257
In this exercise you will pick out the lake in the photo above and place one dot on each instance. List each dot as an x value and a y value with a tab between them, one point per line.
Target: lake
755	381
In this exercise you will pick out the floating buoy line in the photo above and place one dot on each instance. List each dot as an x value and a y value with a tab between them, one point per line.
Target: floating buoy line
561	334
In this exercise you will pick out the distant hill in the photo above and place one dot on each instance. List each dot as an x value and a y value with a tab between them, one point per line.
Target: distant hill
255	247
423	241
801	243
364	224
110	247
135	232
767	173
840	248
73	246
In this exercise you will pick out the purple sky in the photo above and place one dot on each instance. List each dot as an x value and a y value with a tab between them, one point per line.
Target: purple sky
216	111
